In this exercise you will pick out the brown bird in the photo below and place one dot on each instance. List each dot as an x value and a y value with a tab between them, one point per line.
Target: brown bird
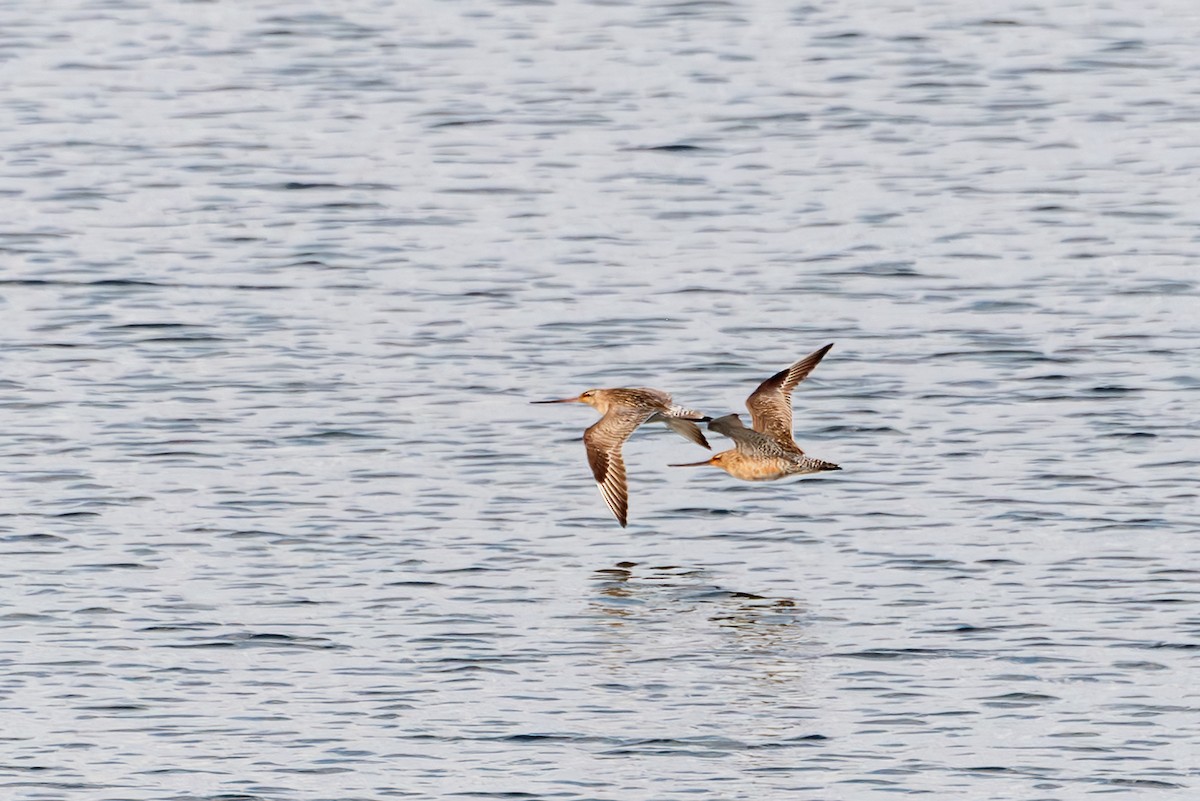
623	411
767	451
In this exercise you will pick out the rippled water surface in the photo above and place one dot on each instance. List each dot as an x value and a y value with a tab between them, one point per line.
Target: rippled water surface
278	280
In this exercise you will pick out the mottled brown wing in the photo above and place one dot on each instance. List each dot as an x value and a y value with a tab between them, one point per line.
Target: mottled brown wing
771	404
744	439
603	442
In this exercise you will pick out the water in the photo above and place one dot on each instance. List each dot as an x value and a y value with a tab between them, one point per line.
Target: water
278	280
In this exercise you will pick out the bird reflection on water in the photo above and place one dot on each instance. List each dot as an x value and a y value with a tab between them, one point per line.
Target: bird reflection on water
661	613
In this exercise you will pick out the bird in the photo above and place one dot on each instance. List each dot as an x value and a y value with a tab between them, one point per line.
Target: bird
623	410
767	451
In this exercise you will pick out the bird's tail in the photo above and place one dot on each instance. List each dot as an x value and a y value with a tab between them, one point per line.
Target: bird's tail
684	413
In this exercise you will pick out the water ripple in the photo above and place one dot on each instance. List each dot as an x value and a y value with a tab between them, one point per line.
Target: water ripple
278	284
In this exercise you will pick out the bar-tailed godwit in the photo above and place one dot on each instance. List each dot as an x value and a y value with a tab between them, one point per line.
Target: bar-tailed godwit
767	451
623	411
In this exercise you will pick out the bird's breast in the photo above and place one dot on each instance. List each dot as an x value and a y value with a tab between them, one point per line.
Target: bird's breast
763	468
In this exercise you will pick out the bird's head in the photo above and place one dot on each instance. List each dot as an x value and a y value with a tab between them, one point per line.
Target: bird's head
592	397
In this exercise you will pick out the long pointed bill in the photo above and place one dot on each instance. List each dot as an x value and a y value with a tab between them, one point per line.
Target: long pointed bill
560	400
692	464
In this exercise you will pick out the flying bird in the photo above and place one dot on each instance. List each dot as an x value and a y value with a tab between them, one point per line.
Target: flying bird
767	451
623	410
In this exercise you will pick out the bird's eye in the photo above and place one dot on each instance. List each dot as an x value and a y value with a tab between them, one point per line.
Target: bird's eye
587	394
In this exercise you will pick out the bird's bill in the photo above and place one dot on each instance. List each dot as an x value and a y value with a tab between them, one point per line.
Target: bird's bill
576	399
692	464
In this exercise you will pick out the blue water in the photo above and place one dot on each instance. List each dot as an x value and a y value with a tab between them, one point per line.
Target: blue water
279	279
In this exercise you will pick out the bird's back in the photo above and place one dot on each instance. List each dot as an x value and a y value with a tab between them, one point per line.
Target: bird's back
749	443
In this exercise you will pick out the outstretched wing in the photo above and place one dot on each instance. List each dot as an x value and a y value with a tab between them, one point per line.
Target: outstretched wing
684	428
603	442
771	404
